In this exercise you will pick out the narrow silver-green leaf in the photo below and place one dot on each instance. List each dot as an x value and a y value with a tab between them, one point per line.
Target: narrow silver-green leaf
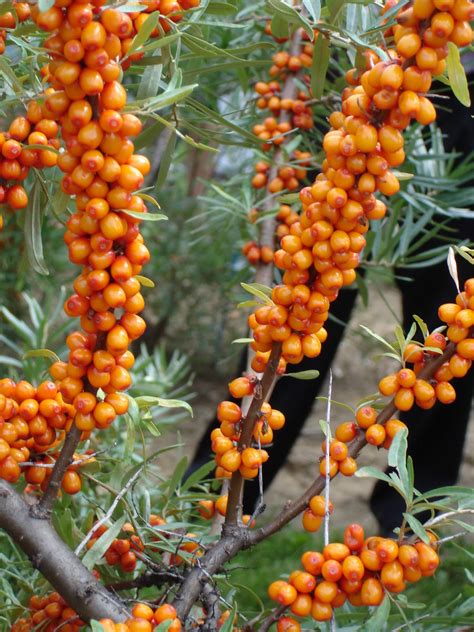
32	229
457	75
320	65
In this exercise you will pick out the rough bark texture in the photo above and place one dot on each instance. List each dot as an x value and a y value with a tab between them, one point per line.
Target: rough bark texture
55	560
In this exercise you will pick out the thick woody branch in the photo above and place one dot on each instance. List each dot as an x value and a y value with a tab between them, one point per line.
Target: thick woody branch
262	394
55	560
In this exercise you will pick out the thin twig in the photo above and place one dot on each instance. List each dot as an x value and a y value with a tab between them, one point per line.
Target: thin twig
328	461
262	395
272	618
111	510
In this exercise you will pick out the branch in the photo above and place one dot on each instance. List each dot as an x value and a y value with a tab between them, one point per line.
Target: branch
55	560
294	508
110	511
264	274
236	538
272	618
42	510
156	578
262	394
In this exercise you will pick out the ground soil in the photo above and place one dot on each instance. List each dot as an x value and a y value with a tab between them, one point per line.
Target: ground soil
356	373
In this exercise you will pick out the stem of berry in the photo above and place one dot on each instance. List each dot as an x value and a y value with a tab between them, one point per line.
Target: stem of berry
42	510
262	394
293	509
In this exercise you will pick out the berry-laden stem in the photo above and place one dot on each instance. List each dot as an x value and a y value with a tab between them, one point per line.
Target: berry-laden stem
55	560
272	618
264	273
294	508
236	538
43	509
262	394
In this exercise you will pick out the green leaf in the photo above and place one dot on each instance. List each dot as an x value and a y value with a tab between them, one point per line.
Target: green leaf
146	217
334	402
9	75
248	304
397	456
33	241
457	75
417	528
320	65
166	159
242	341
284	12
372	472
41	353
255	290
146	401
229	622
198	475
164	626
303	375
314	8
379	338
144	33
95	625
177	476
145	281
279	27
95	553
379	617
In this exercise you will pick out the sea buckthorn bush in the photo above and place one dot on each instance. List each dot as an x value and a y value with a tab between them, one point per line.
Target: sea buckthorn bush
102	101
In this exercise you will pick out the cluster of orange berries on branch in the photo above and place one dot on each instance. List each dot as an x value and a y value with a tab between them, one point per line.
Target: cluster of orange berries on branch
224	440
49	613
359	570
122	551
103	173
145	619
208	508
288	176
320	252
32	422
8	20
37	128
407	388
257	254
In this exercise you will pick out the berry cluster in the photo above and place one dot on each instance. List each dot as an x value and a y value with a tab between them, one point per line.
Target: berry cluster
8	20
145	619
287	112
229	458
122	551
32	421
103	173
208	508
405	386
359	570
320	252
19	152
49	613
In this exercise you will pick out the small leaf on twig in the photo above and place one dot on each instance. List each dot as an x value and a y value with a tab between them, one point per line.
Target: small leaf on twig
303	375
457	75
258	290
